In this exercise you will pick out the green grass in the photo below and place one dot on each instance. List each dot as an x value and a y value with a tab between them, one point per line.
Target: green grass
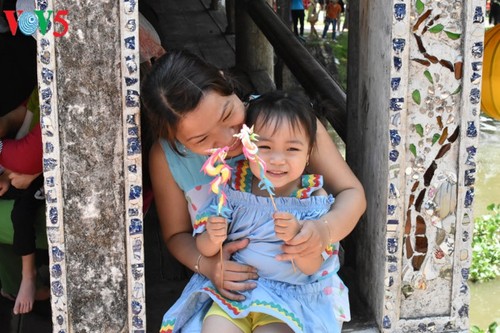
340	52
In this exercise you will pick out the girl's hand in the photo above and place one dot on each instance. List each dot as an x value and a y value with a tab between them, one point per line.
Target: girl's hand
235	275
217	229
286	226
310	241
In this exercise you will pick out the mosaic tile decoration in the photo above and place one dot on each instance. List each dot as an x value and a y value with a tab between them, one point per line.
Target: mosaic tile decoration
434	107
132	167
129	20
52	173
397	142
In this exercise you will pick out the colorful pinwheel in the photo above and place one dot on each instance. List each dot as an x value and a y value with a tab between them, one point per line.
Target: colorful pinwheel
216	166
250	149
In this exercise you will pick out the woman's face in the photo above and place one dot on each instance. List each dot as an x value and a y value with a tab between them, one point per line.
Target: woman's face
212	124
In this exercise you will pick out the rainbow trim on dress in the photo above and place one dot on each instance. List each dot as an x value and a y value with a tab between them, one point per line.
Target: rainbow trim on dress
237	308
332	249
243	177
242	181
168	326
201	220
310	183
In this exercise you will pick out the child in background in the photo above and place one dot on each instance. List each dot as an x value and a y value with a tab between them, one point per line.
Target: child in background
304	296
332	14
312	18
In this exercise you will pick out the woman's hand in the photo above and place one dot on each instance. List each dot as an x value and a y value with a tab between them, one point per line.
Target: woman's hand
286	226
310	241
235	276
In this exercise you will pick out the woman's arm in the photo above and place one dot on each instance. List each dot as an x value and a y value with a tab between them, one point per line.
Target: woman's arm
349	205
176	230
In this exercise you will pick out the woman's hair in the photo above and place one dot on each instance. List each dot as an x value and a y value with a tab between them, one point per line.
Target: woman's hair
174	87
280	107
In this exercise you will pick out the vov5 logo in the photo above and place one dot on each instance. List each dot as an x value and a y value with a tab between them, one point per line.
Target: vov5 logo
28	22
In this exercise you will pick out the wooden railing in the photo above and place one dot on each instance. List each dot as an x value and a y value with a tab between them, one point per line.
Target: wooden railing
314	78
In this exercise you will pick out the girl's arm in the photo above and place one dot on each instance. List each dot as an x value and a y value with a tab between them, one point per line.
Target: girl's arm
177	230
349	205
210	241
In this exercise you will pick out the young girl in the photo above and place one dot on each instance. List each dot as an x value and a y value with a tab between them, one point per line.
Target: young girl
311	298
193	107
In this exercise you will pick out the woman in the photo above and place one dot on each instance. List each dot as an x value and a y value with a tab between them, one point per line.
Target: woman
194	108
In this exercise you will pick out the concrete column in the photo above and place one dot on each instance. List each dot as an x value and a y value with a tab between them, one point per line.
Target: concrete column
92	166
254	54
413	108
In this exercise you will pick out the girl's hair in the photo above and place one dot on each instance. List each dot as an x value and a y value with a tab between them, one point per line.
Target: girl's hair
174	87
280	107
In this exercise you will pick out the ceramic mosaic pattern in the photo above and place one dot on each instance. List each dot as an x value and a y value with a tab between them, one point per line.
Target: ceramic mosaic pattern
129	18
132	160
434	106
52	174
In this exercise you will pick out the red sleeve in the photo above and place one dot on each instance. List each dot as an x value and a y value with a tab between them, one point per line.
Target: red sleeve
24	155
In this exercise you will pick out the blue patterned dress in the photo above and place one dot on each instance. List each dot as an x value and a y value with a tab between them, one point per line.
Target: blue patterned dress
307	303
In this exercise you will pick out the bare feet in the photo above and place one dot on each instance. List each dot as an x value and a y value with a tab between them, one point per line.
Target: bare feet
26	296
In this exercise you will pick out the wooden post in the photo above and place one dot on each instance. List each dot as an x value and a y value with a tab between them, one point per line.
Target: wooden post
254	54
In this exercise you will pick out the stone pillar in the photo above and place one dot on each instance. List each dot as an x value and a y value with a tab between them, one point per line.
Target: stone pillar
89	84
413	108
254	54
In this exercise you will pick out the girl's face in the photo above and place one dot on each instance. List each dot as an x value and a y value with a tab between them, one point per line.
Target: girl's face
212	124
285	151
